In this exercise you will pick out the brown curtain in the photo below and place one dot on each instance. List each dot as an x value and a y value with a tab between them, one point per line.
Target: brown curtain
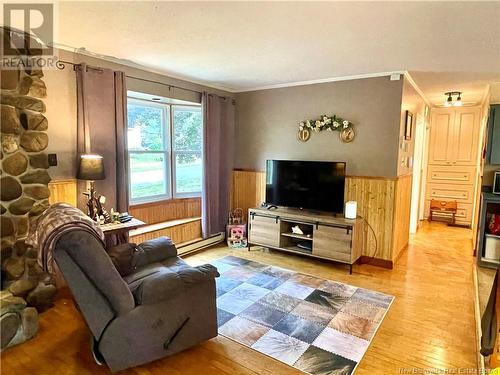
102	130
218	140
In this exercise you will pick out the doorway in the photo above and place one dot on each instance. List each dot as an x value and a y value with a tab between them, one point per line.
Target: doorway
419	173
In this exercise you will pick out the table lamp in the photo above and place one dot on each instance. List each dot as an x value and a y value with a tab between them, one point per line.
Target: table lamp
91	168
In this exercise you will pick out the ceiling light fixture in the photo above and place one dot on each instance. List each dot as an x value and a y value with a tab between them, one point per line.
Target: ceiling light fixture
449	100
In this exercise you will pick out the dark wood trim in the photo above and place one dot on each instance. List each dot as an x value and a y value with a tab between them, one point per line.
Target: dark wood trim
347	175
376	262
248	170
373	177
162	202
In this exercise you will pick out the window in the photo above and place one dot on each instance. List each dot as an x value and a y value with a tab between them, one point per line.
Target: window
165	150
187	150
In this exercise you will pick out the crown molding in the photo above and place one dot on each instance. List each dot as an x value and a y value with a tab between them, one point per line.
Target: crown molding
322	80
417	89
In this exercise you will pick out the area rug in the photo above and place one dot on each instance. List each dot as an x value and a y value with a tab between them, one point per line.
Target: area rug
315	325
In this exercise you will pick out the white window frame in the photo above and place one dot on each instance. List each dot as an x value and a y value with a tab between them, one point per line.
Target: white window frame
169	154
192	194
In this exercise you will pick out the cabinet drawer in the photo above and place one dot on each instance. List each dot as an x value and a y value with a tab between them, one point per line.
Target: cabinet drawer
450	192
264	230
330	242
335	255
456	175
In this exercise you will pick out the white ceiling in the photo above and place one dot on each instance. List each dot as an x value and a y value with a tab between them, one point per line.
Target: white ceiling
446	46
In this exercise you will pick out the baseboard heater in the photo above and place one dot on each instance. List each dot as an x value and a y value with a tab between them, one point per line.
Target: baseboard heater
201	244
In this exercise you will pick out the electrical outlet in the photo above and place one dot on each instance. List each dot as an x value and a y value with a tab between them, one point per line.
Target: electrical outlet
53	160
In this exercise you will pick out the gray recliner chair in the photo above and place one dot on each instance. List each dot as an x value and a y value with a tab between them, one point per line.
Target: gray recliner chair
163	307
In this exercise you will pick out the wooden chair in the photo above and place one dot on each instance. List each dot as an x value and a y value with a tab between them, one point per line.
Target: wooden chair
447	207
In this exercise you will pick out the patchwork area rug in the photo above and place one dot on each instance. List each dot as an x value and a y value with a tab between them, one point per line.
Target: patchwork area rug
315	325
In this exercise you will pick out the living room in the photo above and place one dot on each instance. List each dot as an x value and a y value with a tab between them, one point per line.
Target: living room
250	187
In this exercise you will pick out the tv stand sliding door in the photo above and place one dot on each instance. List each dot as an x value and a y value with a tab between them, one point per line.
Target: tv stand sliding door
323	236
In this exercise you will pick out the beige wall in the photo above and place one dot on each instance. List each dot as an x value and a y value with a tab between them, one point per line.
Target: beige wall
61	104
267	121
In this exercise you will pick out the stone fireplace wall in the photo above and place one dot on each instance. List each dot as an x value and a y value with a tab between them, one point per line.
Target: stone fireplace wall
25	289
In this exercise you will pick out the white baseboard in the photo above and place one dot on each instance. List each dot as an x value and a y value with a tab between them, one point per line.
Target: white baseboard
201	244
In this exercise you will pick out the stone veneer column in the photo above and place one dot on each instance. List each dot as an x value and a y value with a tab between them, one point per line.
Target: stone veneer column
26	289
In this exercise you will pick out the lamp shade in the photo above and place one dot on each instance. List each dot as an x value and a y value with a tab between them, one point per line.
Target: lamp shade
91	168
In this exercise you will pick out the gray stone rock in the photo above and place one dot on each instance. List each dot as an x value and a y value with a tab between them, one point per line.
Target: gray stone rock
33	141
30	322
21	247
32	86
32	254
9	143
21	287
6	250
9	79
42	297
35	177
21	206
9	120
7	228
10	188
39	160
15	164
37	191
9	325
14	268
22	224
36	272
33	121
39	208
22	102
11	304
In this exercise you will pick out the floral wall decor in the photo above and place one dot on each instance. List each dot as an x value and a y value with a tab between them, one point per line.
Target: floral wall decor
328	123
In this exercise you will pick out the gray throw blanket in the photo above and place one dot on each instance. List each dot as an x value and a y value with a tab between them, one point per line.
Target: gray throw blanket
58	219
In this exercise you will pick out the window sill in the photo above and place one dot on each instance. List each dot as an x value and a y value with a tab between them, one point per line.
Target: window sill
160	202
160	226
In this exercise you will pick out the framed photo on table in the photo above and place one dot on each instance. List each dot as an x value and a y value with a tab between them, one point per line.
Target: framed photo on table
408	125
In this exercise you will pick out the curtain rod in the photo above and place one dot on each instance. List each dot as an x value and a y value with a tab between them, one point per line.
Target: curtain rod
164	84
61	64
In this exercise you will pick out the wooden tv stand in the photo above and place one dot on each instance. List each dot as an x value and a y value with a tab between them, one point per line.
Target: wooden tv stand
325	236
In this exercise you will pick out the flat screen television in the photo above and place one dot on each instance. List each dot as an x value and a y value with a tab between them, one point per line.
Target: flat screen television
312	185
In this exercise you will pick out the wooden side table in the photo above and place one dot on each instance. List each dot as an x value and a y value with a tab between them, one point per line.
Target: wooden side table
117	233
448	207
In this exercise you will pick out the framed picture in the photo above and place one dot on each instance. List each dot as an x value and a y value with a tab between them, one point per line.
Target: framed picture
408	125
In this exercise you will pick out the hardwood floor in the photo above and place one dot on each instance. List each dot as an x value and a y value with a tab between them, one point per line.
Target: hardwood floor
430	324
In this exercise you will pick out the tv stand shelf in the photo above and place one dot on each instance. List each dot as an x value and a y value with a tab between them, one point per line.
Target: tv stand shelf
299	236
325	236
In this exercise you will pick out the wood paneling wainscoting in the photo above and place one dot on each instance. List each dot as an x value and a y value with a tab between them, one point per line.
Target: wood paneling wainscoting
375	197
170	209
249	189
180	231
63	191
383	202
402	207
182	217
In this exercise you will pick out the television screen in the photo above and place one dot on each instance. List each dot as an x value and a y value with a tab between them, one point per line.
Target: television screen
314	185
